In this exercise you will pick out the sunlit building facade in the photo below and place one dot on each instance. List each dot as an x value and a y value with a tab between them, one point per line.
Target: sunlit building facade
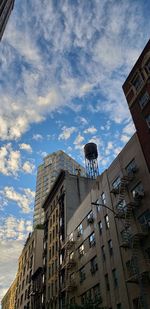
46	176
106	257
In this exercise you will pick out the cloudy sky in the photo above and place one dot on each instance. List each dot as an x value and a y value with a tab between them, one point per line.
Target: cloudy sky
62	66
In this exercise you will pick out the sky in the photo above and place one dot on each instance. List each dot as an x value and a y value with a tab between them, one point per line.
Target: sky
62	66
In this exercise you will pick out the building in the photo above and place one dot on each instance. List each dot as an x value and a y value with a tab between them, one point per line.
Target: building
37	288
6	7
46	176
106	259
30	260
65	196
137	91
8	301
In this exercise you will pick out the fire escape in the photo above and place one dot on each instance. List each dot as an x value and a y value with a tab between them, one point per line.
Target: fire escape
134	234
68	283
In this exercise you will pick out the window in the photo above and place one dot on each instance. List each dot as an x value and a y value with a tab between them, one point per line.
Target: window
96	293
92	239
103	198
138	191
82	274
119	306
148	66
126	235
103	253
121	206
115	279
148	120
137	82
116	183
144	220
94	265
81	250
90	218
79	230
144	99
107	222
131	167
110	246
107	282
100	227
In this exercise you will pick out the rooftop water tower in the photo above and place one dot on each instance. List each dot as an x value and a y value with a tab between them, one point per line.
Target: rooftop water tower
91	163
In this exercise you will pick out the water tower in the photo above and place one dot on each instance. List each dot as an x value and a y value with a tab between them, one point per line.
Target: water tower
91	163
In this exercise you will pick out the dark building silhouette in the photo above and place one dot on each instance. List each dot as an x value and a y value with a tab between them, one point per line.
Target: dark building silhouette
6	7
137	92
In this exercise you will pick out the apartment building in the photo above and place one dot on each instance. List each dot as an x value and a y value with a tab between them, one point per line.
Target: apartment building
6	7
30	260
46	176
65	196
8	301
106	256
137	91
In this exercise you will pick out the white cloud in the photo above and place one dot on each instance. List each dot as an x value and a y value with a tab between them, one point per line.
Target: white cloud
66	133
37	137
13	233
26	147
46	79
129	129
90	130
24	199
28	167
124	138
11	162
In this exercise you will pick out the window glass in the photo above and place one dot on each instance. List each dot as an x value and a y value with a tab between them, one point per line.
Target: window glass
110	246
100	227
94	265
103	198
148	120
81	250
137	82
116	183
79	230
82	274
115	278
131	167
144	100
107	222
92	240
138	191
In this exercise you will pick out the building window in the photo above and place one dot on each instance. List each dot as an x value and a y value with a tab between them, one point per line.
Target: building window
103	198
115	279
90	218
94	265
107	222
81	250
92	241
96	293
144	99
119	306
103	253
144	220
137	82
107	282
79	230
110	246
121	206
148	120
138	191
116	183
147	66
100	227
131	167
82	274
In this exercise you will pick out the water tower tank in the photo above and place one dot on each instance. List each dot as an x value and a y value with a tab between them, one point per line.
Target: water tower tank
90	151
91	163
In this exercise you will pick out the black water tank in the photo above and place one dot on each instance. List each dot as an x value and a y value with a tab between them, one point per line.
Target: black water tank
90	151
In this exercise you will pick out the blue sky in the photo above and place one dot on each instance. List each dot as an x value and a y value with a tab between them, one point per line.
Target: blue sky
63	64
